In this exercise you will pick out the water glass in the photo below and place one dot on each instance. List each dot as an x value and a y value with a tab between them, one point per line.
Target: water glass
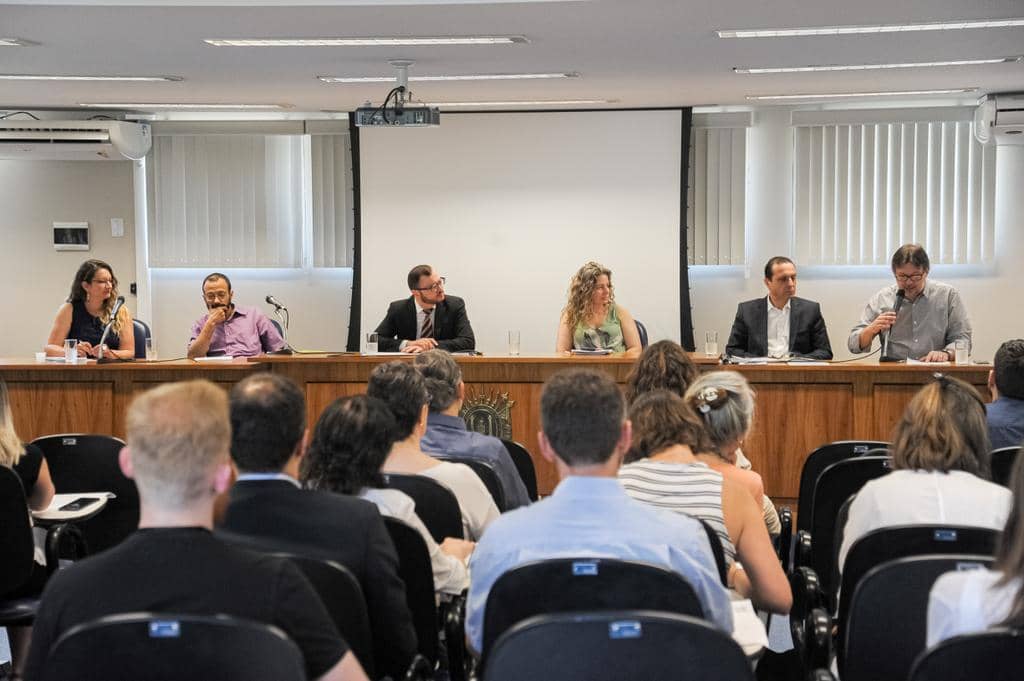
962	352
371	342
711	344
513	343
70	350
150	350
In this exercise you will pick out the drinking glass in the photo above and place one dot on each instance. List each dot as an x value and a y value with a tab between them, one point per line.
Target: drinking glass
711	344
71	350
371	342
962	352
513	343
150	350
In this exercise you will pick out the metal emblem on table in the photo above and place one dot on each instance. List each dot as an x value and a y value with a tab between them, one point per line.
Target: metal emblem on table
489	414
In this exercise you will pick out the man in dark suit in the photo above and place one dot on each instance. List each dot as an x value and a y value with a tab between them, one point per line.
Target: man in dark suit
781	324
267	506
427	319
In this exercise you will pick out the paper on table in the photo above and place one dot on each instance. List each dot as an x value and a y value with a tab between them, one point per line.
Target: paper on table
51	512
216	358
934	364
747	628
599	351
806	363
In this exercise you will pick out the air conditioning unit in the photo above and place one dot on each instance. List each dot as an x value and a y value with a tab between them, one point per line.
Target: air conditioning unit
999	119
73	140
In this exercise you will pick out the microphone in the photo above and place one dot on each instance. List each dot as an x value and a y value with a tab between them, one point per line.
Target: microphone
275	302
900	297
118	304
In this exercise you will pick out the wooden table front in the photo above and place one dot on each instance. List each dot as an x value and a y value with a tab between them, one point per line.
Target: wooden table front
798	407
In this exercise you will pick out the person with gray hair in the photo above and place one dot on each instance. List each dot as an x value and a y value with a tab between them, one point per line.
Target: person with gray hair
447	433
725	402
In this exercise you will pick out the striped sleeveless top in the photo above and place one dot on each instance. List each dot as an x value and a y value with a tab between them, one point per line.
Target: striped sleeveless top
692	489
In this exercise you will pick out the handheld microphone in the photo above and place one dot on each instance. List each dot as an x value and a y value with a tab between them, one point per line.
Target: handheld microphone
275	302
900	297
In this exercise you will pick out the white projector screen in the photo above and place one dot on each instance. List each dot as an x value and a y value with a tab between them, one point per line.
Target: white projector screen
507	206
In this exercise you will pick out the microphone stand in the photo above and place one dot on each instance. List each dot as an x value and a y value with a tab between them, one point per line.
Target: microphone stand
100	359
283	319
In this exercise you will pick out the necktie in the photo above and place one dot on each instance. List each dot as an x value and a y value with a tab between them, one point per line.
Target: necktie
428	327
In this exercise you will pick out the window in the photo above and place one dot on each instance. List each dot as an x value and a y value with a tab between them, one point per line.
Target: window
868	183
716	201
251	200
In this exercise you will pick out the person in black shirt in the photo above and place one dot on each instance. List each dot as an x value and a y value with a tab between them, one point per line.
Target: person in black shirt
177	453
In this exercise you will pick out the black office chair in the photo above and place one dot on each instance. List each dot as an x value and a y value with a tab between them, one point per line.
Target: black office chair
816	462
277	325
485	471
415	570
524	465
141	331
582	584
993	655
89	463
170	647
886	629
617	645
642	332
436	505
1003	460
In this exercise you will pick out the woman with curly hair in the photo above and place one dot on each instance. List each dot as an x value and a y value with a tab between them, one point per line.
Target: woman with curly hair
87	310
350	443
662	366
591	320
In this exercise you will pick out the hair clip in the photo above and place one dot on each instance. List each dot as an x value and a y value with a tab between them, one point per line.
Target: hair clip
705	398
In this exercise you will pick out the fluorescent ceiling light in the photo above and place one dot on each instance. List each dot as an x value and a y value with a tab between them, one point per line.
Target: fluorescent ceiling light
181	105
868	67
875	28
844	95
425	79
538	102
14	42
144	79
387	41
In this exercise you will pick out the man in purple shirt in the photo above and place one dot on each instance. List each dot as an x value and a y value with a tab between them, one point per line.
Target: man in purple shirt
228	329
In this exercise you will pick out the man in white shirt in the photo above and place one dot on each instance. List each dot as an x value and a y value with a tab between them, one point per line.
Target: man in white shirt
779	325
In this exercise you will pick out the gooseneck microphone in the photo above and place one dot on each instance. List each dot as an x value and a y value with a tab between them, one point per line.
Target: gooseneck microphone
118	304
271	300
901	295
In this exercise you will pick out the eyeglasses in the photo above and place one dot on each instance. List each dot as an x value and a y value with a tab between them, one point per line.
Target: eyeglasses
435	287
217	295
904	278
102	281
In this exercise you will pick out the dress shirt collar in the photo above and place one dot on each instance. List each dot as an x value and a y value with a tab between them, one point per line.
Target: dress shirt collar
262	477
771	306
588	487
436	418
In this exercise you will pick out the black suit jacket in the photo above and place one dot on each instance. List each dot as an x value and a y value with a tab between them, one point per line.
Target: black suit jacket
807	333
451	325
335	527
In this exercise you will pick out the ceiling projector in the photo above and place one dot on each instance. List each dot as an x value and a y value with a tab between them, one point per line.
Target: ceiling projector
398	109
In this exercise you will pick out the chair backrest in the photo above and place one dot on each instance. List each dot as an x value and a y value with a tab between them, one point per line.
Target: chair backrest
524	465
415	570
835	485
1002	464
888	616
88	463
641	331
16	544
141	331
993	655
277	325
341	594
892	543
611	646
487	474
436	505
170	647
717	550
583	584
816	462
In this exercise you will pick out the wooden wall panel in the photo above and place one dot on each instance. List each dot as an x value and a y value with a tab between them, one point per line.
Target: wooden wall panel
319	395
48	408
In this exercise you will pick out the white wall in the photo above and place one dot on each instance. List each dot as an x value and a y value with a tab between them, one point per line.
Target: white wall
35	194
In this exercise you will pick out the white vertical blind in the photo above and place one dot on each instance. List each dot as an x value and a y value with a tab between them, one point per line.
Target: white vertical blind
863	189
716	198
332	213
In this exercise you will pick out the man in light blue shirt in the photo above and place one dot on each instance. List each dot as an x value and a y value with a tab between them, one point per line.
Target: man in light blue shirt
585	434
447	433
1005	414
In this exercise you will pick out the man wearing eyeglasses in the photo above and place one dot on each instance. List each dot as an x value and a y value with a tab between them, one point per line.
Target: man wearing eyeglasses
427	319
227	329
923	323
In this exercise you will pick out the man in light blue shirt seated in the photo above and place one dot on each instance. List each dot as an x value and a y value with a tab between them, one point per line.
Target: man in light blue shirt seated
447	433
1005	413
585	434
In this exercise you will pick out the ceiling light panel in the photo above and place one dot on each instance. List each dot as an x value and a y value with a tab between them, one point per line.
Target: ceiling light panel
183	106
869	67
870	28
14	42
378	41
138	79
431	79
847	95
537	102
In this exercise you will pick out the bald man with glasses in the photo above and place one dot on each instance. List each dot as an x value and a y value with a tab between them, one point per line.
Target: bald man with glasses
427	319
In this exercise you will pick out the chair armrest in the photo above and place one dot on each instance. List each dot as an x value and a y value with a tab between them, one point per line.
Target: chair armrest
819	639
807	596
803	551
785	540
453	623
63	539
419	670
821	675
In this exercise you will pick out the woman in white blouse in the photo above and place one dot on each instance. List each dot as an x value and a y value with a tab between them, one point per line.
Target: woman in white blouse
350	442
968	601
403	389
941	459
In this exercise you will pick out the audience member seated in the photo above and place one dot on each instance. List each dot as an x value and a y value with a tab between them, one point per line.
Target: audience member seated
447	432
940	453
662	365
969	601
663	471
350	443
725	402
179	436
268	440
402	388
87	311
229	329
1006	382
585	434
591	319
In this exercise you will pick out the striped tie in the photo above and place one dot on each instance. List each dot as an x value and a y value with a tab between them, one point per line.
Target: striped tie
428	328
